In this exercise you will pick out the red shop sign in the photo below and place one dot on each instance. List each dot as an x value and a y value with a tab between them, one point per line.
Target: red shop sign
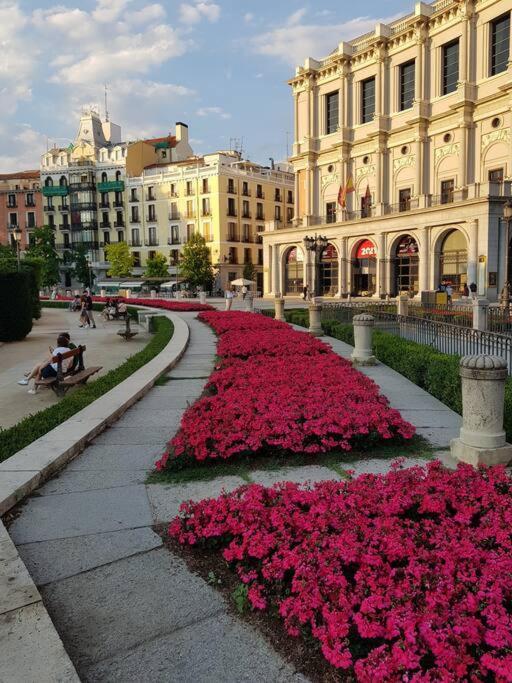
366	249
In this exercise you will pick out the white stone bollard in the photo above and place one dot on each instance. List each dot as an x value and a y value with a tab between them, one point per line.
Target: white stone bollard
480	313
202	297
249	303
153	294
482	438
403	305
103	293
315	319
279	307
363	329
128	293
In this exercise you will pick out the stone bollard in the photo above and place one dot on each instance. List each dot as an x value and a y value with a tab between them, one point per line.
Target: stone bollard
480	313
153	294
482	438
249	303
315	319
403	305
363	328
202	297
128	293
279	307
103	293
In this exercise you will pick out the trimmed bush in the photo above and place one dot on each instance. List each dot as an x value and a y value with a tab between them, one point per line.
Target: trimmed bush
15	306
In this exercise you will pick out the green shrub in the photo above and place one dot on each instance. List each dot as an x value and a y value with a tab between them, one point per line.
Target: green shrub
297	316
32	266
34	426
15	306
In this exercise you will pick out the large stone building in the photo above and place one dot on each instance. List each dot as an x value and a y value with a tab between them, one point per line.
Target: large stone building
417	116
220	196
20	207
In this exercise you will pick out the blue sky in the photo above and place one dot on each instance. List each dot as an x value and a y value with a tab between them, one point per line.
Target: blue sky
219	65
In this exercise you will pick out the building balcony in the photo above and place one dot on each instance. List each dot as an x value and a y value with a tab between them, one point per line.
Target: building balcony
231	189
246	193
63	208
84	206
111	186
172	242
12	205
278	198
260	195
119	224
57	191
134	199
30	205
206	212
134	219
104	205
49	209
135	243
231	212
174	217
12	226
150	198
152	243
246	214
151	219
64	226
105	226
118	204
233	237
84	225
190	215
82	187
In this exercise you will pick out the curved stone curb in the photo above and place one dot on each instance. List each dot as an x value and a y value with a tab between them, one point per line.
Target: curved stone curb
30	647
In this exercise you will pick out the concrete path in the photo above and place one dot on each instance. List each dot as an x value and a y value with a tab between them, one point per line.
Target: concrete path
126	608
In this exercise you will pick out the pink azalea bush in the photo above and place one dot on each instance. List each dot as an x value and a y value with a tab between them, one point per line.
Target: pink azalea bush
278	388
402	577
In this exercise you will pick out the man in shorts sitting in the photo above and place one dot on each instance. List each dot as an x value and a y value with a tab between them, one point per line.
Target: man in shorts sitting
45	371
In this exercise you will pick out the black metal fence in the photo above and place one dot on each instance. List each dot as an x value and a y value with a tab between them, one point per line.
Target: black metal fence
458	314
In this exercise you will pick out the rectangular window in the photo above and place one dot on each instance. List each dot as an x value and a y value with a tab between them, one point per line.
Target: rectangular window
367	100
245	210
206	189
259	212
277	213
29	199
259	192
407	83
233	255
330	212
277	195
447	188
106	237
189	187
133	196
136	259
289	214
173	190
231	207
135	237
404	199
175	234
289	199
331	112
32	219
450	67
206	206
120	235
65	221
246	232
496	175
66	240
232	236
153	242
104	219
500	44
231	185
135	214
13	219
190	230
151	193
11	200
190	209
260	257
152	212
247	256
51	221
119	218
245	189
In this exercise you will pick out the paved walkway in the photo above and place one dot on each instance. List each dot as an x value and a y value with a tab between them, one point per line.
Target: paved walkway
125	607
104	347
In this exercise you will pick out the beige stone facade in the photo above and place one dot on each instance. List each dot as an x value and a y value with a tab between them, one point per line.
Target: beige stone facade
417	114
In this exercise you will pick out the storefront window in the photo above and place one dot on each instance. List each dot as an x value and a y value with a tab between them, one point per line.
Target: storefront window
453	266
407	266
329	271
364	269
294	271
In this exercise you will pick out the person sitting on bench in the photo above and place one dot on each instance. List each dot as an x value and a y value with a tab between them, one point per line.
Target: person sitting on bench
49	369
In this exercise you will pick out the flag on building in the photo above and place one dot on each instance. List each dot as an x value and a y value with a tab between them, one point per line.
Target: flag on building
344	191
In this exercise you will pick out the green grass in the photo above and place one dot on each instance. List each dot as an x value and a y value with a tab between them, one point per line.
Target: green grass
337	461
34	426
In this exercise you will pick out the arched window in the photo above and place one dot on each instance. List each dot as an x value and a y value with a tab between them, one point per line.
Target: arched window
118	175
364	268
294	271
406	265
329	271
48	182
63	181
453	260
103	177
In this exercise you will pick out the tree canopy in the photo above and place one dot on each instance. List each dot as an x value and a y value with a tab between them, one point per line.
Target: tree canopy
195	265
120	259
156	266
80	268
44	248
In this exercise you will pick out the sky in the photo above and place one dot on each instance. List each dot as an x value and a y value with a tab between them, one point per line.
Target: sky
221	66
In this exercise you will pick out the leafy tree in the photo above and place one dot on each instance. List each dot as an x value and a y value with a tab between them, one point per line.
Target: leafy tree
156	266
120	259
44	248
249	272
6	251
80	267
195	265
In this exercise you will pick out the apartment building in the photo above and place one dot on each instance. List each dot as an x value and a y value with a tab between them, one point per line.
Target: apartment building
221	196
412	122
20	206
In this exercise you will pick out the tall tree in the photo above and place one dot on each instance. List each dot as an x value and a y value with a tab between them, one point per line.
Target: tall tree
156	266
195	265
249	271
80	267
120	259
43	248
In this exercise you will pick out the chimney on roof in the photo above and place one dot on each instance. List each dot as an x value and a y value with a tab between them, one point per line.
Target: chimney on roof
181	132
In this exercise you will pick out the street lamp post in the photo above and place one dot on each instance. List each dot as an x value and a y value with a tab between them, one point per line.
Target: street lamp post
17	238
316	246
507	216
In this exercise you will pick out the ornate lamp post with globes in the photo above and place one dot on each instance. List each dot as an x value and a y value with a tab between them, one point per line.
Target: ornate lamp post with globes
17	232
316	246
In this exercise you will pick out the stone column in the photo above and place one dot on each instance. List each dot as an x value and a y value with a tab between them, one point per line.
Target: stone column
249	303
202	297
463	171
276	269
343	267
315	319
423	239
480	311
482	438
403	305
381	265
473	251
363	329
279	307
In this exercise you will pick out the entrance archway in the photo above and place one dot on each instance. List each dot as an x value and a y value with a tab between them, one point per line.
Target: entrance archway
453	260
329	271
293	271
406	261
364	269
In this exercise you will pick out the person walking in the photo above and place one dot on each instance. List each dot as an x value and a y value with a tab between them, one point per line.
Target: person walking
449	293
465	291
229	299
244	292
89	308
305	292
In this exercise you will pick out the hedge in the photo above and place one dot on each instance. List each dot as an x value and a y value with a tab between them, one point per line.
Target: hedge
32	266
33	427
15	306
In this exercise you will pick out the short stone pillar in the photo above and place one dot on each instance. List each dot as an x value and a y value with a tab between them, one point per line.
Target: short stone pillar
128	293
363	330
279	307
315	319
153	294
482	438
202	297
249	303
103	293
480	314
403	305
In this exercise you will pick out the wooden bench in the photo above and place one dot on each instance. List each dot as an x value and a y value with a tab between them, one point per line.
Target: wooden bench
71	378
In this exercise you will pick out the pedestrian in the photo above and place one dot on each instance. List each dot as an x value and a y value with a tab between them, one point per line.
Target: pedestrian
305	292
229	299
449	292
472	289
89	307
83	321
244	292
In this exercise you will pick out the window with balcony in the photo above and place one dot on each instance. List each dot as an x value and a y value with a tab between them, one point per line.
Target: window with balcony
245	210
118	199
332	112
175	234
496	175
191	228
277	213
245	189
366	205
207	232
247	256
289	197
29	199
330	212
447	188
367	100
119	219
13	220
151	212
232	236
190	209
259	212
206	189
233	255
104	200
136	259
260	257
173	191
277	195
106	237
120	235
65	222
189	188
289	214
51	221
404	199
11	200
500	44
151	194
133	195
174	213
135	214
136	237
450	67
104	219
246	232
231	186
259	192
231	207
407	83
174	256
153	241
67	241
205	208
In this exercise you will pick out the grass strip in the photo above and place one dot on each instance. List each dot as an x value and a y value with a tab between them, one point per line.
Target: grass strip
37	425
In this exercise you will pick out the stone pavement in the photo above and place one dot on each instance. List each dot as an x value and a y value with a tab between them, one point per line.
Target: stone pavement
126	608
104	347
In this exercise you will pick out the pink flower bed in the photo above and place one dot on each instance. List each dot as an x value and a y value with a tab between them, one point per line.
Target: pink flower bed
166	304
281	389
402	577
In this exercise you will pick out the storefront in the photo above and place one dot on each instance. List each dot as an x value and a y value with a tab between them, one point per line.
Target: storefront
453	261
294	271
329	271
364	269
406	266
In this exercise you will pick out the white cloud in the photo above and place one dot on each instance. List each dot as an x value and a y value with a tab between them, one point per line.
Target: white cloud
296	17
194	13
213	111
109	10
25	147
146	14
248	17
